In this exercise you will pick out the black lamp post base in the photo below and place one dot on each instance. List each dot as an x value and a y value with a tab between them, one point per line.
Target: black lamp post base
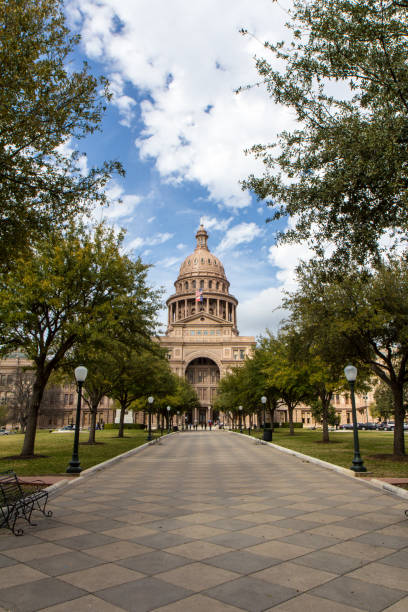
358	465
74	468
267	434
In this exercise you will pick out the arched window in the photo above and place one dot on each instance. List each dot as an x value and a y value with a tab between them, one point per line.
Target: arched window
202	284
186	285
210	284
193	284
218	286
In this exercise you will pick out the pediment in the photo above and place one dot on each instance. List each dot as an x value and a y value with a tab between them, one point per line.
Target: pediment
203	318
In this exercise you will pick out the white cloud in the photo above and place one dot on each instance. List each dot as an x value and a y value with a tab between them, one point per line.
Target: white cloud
160	238
151	219
242	233
262	311
214	223
122	204
169	262
195	127
125	104
181	246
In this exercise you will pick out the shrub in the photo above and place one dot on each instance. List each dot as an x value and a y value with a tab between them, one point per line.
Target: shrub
126	426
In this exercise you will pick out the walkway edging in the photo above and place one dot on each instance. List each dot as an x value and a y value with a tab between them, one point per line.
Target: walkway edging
373	482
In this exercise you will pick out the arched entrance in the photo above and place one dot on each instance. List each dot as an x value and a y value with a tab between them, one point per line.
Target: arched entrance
204	374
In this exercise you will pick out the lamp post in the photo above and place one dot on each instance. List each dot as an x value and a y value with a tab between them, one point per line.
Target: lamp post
267	431
74	466
150	401
240	418
350	372
168	419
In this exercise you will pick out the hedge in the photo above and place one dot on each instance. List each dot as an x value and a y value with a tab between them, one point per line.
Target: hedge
126	426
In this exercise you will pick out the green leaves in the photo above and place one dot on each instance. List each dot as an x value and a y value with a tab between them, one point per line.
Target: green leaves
342	173
44	107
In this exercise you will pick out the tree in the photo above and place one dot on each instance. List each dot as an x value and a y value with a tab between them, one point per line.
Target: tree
383	408
341	174
50	300
288	374
19	401
45	106
138	374
366	313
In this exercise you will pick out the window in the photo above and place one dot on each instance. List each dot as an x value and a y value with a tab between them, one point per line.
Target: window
241	354
71	398
218	332
212	332
10	379
193	284
217	286
209	261
192	333
189	262
235	354
3	379
66	398
186	285
190	376
198	332
205	332
210	284
202	284
202	260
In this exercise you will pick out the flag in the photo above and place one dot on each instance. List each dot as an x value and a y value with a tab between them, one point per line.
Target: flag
199	295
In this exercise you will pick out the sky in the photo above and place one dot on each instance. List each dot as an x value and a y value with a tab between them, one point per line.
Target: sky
181	131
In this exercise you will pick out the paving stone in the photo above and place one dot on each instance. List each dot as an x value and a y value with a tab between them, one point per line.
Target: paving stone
143	595
399	559
386	575
19	574
336	564
103	576
154	562
36	551
242	561
294	576
63	563
198	603
352	592
38	595
198	550
197	576
251	594
310	603
6	561
86	541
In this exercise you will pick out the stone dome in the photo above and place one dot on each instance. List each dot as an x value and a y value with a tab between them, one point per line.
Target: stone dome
201	262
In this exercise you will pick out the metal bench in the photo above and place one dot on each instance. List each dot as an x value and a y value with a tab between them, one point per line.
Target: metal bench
19	499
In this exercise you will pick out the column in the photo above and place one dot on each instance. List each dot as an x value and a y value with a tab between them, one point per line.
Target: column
185	308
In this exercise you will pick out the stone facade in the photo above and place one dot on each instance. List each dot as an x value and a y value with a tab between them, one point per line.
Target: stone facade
202	336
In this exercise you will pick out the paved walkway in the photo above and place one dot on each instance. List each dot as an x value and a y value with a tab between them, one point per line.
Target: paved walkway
211	522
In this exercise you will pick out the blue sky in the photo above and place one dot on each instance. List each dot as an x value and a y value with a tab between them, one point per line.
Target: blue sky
180	132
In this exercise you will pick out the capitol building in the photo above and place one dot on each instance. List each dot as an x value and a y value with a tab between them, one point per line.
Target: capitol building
202	337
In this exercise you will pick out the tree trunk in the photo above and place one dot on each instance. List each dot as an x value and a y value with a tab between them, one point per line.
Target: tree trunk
32	417
121	420
399	415
325	414
94	411
291	428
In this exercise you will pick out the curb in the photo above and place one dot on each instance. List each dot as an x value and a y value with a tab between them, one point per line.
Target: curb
55	489
373	482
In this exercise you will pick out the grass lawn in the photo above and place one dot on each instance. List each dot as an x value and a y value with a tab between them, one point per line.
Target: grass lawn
340	449
57	450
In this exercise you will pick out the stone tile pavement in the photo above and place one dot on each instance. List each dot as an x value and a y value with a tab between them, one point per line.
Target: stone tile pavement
211	522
